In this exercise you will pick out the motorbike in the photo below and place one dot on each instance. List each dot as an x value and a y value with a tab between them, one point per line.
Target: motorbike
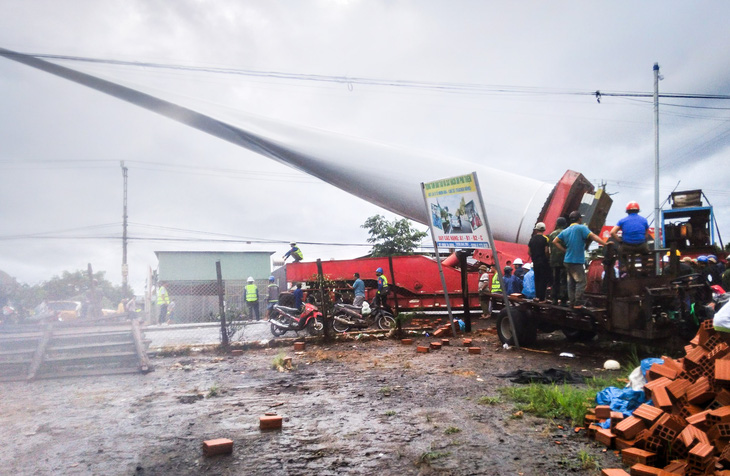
347	317
284	319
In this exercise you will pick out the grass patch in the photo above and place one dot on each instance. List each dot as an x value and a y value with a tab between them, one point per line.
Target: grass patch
428	457
390	413
214	391
452	430
489	400
386	391
278	361
558	401
588	461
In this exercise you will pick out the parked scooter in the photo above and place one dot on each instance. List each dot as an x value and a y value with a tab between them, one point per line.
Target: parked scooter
347	317
284	319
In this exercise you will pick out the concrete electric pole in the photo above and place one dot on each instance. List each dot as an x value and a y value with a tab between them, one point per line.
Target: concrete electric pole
657	210
125	269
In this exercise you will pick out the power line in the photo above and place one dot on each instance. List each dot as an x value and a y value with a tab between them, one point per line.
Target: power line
350	80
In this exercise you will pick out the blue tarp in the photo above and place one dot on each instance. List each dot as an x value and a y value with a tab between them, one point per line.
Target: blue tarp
625	400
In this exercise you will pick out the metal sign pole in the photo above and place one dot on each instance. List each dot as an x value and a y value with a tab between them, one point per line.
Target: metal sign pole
441	272
496	263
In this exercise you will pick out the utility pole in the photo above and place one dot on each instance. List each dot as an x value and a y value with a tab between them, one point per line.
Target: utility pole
125	268
657	210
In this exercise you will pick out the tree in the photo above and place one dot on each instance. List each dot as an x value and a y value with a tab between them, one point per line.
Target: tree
392	238
69	286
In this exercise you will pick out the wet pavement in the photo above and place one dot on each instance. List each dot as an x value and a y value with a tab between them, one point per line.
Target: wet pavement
352	407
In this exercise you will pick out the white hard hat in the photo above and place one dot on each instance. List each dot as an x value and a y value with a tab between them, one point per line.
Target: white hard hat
540	226
611	365
250	279
528	266
517	261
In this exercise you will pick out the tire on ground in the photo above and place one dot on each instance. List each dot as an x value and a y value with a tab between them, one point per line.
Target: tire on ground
525	328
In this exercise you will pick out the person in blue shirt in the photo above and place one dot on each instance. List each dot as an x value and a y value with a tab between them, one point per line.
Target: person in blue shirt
573	241
634	232
298	296
358	288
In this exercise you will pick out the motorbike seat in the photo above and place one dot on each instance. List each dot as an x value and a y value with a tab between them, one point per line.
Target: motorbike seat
290	310
350	306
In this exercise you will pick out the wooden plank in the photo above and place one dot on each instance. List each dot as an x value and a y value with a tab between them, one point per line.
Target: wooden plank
40	351
97	355
144	362
89	372
101	345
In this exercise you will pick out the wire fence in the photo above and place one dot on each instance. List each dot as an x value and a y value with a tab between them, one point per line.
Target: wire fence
193	316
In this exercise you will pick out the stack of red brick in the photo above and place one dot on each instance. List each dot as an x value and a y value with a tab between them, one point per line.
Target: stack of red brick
687	430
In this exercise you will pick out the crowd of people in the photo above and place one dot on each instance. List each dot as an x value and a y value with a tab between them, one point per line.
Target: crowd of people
558	261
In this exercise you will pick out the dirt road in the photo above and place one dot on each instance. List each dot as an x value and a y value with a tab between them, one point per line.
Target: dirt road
354	407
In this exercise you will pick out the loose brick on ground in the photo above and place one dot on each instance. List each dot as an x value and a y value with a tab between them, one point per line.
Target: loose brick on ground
613	472
475	350
644	470
422	349
218	446
270	422
406	341
631	456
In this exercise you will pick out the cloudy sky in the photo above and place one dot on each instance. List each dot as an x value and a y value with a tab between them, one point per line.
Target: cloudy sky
501	84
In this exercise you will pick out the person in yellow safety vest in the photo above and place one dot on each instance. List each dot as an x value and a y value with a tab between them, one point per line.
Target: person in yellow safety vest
496	286
273	296
251	296
381	297
163	300
295	253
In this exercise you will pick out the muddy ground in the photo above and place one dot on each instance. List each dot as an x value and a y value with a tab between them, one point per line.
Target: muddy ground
352	407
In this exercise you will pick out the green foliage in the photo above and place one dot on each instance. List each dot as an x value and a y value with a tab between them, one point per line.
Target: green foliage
214	391
392	238
278	361
552	401
451	430
428	456
487	400
390	413
587	460
559	401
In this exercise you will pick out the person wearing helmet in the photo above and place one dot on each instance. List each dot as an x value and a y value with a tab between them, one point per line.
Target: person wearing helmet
634	232
539	249
573	241
295	252
711	272
518	270
484	282
559	278
251	296
381	297
272	296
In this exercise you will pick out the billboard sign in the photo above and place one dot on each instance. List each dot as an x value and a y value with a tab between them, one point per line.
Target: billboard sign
456	212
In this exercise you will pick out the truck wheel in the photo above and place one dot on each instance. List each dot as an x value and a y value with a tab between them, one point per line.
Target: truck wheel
526	329
575	335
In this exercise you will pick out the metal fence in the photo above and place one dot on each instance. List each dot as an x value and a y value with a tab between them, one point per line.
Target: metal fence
193	316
